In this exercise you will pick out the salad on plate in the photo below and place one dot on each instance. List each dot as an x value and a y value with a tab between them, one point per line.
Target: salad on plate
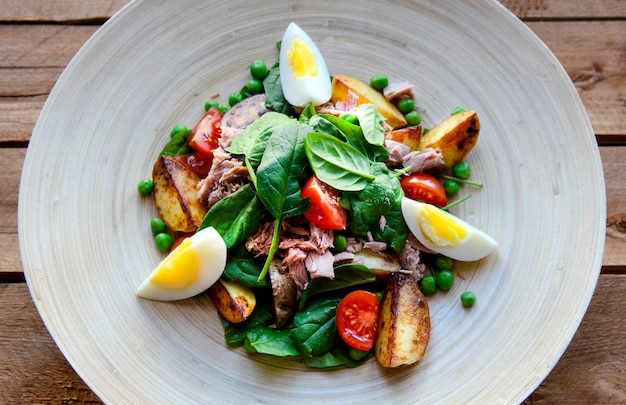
314	212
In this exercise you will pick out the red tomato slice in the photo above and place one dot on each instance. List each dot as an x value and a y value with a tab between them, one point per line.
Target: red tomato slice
424	187
206	133
357	319
325	210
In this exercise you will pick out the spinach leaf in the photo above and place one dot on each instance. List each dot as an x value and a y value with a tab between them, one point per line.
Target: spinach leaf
374	200
338	356
395	231
315	332
251	142
274	97
178	144
283	161
337	163
350	133
307	113
371	122
346	275
236	216
235	333
241	268
266	340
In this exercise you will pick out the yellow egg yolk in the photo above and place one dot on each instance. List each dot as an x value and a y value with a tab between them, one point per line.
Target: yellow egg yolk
179	269
439	227
302	59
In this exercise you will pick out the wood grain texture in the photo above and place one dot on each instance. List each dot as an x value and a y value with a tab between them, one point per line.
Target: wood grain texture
33	369
59	10
566	9
12	160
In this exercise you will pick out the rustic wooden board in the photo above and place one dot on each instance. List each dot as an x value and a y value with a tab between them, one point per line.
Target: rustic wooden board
563	9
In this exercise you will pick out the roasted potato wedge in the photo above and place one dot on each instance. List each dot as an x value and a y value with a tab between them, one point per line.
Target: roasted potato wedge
233	301
342	86
381	264
410	136
403	324
455	136
284	293
175	195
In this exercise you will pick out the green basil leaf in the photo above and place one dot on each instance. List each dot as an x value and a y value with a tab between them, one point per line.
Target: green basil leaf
266	340
346	275
236	216
274	97
337	163
371	121
178	145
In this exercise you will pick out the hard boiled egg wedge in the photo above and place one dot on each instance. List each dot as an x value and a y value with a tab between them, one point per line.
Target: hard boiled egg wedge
444	233
304	76
189	269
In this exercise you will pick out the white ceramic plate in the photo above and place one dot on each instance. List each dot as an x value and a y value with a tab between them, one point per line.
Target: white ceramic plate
86	242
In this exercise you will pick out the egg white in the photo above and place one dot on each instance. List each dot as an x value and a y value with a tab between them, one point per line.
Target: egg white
474	246
210	250
300	91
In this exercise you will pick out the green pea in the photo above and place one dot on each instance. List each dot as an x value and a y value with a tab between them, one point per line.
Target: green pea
351	118
163	241
468	299
428	285
259	70
178	129
234	98
356	354
254	86
145	187
157	225
443	262
457	110
445	279
451	187
379	81
223	108
413	118
406	105
340	242
211	103
461	170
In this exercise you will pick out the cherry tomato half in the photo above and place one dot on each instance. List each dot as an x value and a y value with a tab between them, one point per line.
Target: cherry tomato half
199	163
424	187
204	136
325	210
357	319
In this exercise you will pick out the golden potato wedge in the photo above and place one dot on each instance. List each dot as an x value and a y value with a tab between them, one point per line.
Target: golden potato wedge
233	301
175	195
381	264
409	136
403	324
343	84
455	136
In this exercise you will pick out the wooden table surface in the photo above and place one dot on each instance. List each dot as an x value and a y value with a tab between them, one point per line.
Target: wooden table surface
37	40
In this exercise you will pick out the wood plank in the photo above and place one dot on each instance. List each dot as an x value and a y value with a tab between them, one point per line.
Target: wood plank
614	165
59	10
33	368
591	369
94	10
18	116
593	54
12	160
526	9
588	372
